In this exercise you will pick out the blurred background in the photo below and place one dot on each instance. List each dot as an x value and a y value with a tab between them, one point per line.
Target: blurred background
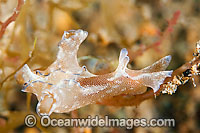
149	30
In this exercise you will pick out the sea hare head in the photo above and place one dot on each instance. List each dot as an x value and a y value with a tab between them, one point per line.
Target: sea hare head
73	37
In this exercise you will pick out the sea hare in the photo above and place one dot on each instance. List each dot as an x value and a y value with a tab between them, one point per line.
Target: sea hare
65	86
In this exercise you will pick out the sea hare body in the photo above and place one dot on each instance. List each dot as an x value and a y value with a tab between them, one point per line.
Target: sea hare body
65	86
